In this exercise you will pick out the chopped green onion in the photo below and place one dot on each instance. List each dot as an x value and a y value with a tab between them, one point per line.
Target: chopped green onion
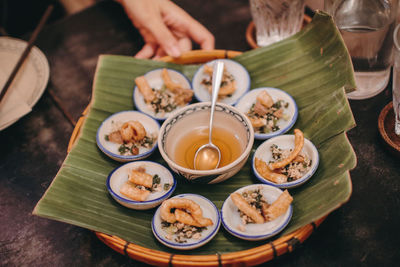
166	186
122	149
156	179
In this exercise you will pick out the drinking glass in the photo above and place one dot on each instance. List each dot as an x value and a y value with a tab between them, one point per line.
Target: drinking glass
276	19
367	30
396	80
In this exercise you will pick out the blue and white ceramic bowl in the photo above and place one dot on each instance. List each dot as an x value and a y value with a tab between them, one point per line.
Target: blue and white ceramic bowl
289	116
233	223
155	81
120	175
286	141
209	211
113	122
197	116
240	74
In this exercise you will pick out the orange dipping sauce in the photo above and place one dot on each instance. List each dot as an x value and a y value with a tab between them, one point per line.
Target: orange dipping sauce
225	140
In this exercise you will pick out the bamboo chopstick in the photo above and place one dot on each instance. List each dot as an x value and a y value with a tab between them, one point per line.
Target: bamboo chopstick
26	51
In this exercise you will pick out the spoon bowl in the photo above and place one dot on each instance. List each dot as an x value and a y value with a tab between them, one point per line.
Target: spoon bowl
208	156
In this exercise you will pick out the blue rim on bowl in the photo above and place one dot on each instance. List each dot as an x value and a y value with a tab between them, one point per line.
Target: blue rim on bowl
245	103
154	79
231	217
111	149
286	142
238	71
119	176
211	208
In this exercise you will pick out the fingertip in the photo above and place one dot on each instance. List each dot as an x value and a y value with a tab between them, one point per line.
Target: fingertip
159	53
173	50
140	56
165	38
147	51
208	43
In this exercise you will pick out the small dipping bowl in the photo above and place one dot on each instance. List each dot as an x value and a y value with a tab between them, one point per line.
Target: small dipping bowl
233	223
291	112
187	119
155	81
120	175
237	70
209	211
111	149
286	141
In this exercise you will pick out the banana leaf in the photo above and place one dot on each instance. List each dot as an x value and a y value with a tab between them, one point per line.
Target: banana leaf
313	66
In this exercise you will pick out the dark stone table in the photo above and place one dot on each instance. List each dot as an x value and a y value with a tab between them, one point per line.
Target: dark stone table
363	232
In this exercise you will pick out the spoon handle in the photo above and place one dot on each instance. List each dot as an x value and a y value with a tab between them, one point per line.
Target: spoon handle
216	83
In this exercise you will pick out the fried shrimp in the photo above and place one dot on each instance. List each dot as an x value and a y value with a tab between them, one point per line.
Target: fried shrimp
145	89
208	70
265	99
259	109
115	137
227	89
205	221
172	86
141	178
131	191
184	204
132	130
245	207
185	96
278	207
228	84
298	145
257	122
186	218
263	169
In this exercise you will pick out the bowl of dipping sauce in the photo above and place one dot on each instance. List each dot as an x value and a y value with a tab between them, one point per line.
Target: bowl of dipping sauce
186	130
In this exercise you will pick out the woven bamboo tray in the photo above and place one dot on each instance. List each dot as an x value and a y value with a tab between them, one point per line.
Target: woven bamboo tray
249	257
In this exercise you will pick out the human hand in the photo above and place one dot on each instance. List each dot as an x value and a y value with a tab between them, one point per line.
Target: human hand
166	28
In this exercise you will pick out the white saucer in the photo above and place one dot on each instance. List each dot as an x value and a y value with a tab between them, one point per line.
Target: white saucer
245	103
209	211
155	80
231	217
111	149
238	71
120	175
286	141
32	77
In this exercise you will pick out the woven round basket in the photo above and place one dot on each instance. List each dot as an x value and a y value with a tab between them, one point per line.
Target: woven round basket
257	255
386	123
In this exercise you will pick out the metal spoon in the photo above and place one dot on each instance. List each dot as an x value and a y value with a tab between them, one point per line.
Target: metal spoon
208	156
